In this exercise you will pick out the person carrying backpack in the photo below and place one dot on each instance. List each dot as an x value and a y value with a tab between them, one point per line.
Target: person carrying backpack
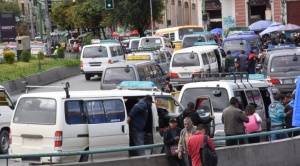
194	145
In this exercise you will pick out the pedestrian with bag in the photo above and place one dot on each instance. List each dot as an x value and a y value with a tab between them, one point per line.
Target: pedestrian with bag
185	134
171	139
254	124
195	143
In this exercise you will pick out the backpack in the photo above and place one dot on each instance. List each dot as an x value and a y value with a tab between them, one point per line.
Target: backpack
252	125
207	154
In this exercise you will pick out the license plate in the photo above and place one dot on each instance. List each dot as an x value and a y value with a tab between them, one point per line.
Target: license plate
287	81
185	75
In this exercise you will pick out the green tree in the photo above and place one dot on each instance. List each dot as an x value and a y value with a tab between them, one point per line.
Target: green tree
10	7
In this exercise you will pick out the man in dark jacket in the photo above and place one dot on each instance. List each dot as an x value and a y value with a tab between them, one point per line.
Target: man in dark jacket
171	138
237	66
137	119
192	113
252	63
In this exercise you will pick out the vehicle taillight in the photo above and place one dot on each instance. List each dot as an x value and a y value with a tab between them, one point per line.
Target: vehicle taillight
58	139
81	64
109	62
274	81
10	139
173	75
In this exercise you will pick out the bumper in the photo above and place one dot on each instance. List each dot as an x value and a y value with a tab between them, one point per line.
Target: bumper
287	88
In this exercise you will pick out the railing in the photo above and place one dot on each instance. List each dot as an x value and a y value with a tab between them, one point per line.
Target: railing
141	147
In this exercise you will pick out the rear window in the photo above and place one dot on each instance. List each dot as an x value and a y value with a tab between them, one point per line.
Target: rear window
135	44
285	63
151	42
185	59
35	111
219	101
95	52
190	41
118	74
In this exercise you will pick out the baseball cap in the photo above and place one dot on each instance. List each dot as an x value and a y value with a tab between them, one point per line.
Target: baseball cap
289	95
149	98
172	120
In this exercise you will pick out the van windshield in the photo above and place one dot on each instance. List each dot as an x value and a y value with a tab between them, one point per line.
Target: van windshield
185	59
219	102
95	52
190	41
235	45
35	111
118	74
285	64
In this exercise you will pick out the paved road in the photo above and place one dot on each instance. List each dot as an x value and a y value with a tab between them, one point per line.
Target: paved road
77	83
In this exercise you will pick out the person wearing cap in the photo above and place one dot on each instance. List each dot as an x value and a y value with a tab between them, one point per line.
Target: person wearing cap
171	139
290	103
237	66
137	119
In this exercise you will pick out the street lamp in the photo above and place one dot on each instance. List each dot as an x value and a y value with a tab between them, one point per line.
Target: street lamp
151	16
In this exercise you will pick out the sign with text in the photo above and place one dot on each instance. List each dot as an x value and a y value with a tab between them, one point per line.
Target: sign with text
7	27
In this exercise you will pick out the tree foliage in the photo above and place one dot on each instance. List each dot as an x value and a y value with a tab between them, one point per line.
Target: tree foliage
92	15
10	7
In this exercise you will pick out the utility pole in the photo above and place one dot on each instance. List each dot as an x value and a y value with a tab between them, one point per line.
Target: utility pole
48	27
31	20
41	20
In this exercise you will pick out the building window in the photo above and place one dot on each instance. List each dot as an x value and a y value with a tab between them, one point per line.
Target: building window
193	6
186	4
172	2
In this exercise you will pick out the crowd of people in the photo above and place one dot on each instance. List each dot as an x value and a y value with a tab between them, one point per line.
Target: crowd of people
182	145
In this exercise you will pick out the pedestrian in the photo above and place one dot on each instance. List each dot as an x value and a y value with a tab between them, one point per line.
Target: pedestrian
185	134
277	116
290	100
229	62
251	63
169	88
194	144
192	113
171	139
237	66
56	50
137	119
261	56
254	124
243	59
233	119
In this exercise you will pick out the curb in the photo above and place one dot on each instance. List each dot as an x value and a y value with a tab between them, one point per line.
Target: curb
39	79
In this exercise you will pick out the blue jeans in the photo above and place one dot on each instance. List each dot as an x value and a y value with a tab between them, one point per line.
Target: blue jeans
137	138
277	136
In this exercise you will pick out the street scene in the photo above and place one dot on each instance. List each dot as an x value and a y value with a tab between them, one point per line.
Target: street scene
178	83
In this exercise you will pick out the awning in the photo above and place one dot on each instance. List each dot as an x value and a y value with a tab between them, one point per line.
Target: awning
134	32
115	34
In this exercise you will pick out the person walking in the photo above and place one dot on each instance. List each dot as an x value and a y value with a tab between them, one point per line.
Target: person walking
185	134
237	66
194	144
233	119
261	56
254	124
277	116
171	139
192	113
137	119
290	100
251	63
229	62
243	59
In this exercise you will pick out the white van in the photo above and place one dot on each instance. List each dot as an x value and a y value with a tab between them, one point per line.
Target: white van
165	44
52	122
94	58
219	94
189	62
6	112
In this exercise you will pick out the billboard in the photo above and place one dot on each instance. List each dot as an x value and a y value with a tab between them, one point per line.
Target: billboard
8	27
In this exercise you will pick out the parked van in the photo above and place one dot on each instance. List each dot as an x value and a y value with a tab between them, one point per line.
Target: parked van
282	67
246	41
189	40
188	62
114	74
6	107
52	122
161	57
165	44
219	93
94	58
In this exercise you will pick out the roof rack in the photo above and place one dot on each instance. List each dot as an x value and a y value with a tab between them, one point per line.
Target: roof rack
66	87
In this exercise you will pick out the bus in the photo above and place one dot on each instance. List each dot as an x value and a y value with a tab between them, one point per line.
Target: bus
176	33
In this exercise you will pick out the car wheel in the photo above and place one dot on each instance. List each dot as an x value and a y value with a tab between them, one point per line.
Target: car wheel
84	158
4	145
87	77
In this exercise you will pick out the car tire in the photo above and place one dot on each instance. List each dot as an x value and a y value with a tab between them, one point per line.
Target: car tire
4	145
84	158
87	77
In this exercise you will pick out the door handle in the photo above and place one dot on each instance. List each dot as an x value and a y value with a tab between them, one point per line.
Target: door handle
123	128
